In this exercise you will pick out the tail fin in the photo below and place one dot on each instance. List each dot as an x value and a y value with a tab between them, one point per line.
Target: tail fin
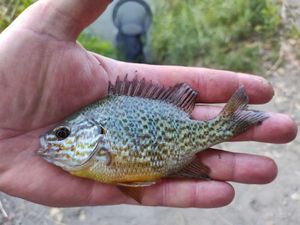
236	116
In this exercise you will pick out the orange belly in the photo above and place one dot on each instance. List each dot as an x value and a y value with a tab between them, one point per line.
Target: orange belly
118	176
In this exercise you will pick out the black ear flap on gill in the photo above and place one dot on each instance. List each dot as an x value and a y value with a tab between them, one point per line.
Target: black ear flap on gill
93	122
180	95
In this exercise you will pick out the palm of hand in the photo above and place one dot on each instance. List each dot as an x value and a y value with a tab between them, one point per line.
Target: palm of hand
57	78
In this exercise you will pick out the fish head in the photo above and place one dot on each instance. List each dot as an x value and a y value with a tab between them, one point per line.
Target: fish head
72	143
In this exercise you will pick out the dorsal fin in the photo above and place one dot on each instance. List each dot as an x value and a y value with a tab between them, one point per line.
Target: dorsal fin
181	95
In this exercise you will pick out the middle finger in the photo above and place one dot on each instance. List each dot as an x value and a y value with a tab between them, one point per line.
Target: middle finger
238	167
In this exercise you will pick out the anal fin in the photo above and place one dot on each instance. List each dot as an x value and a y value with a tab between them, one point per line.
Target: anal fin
195	170
134	189
137	184
135	193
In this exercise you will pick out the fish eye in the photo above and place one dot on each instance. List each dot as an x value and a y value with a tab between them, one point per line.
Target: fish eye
62	132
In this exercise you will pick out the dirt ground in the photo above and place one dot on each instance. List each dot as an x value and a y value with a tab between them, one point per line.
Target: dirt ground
273	204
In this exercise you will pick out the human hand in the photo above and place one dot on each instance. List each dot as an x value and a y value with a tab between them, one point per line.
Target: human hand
45	76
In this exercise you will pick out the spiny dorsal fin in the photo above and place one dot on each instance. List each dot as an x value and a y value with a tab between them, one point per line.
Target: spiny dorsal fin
181	95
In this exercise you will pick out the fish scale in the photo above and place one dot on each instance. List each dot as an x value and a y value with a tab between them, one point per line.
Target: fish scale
142	132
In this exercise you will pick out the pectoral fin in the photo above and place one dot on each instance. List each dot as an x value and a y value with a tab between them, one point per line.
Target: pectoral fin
195	170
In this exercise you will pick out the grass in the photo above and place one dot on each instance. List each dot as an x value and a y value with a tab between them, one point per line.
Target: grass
10	9
235	34
240	35
96	44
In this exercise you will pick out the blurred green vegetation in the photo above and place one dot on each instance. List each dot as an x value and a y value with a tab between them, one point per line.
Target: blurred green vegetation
10	9
96	44
241	35
293	32
235	34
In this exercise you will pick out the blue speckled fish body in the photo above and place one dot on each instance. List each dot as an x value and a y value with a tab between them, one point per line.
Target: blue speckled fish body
142	132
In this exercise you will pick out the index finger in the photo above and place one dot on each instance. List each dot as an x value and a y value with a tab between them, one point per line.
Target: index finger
213	86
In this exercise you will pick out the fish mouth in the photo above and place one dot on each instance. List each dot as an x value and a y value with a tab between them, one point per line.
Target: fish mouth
43	151
44	154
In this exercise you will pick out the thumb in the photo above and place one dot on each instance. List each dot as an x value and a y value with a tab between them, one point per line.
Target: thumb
63	19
